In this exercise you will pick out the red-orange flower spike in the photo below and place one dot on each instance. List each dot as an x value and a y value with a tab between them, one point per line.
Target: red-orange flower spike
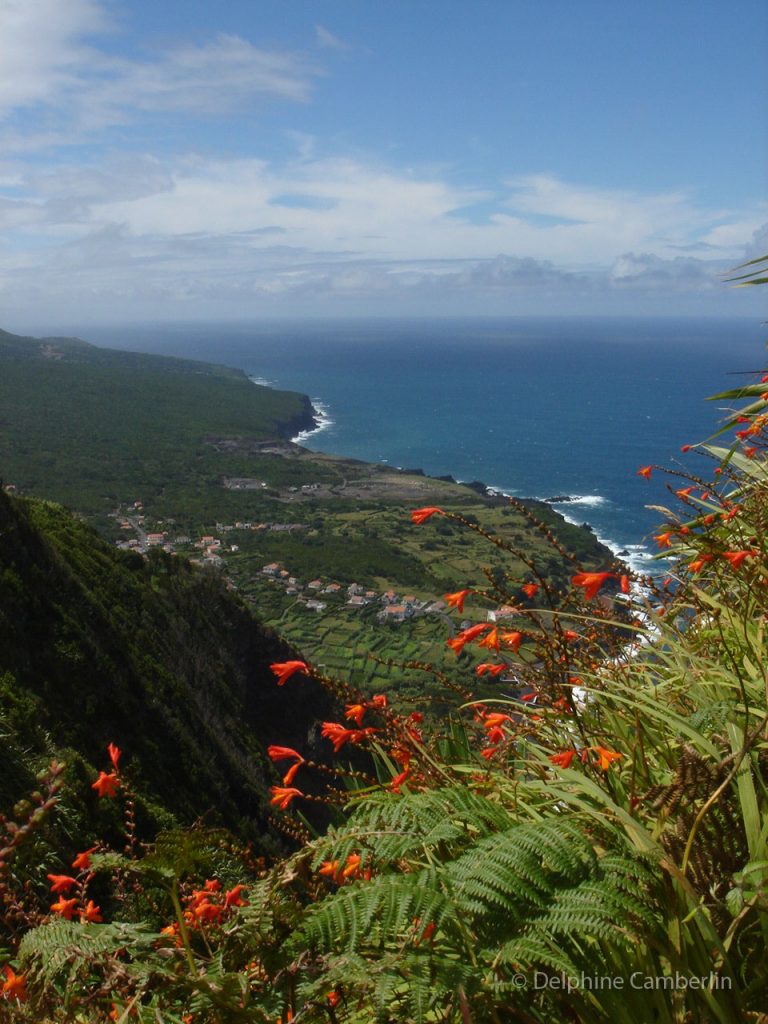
329	868
458	642
106	785
352	866
563	759
337	734
232	897
624	583
491	642
698	564
61	883
285	669
282	796
530	589
14	986
606	757
490	668
277	753
457	600
512	639
686	448
115	753
292	772
398	780
419	515
379	700
355	713
83	860
645	471
736	558
495	720
91	913
591	582
66	908
685	492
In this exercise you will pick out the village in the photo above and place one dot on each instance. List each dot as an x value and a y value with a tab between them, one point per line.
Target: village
210	551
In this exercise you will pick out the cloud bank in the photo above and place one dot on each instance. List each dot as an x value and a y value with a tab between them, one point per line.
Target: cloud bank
100	215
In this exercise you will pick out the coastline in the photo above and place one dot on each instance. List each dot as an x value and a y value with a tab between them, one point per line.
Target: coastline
316	418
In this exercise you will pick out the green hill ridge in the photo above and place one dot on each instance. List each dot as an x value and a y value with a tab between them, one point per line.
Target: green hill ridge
99	646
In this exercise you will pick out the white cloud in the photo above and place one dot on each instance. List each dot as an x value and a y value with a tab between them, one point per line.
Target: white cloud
76	89
43	47
682	273
328	40
220	76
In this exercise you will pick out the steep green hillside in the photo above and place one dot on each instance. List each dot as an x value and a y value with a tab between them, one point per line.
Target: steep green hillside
92	427
98	645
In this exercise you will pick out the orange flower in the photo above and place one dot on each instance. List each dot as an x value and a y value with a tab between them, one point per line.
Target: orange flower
91	913
491	641
106	785
737	557
624	582
530	589
114	755
458	642
645	471
285	669
664	540
697	565
490	668
207	911
684	492
337	734
83	860
513	640
427	932
329	868
61	883
570	635
232	897
591	582
64	907
606	757
355	713
283	753
379	700
282	797
419	515
14	986
292	772
495	720
352	867
563	759
333	998
398	780
457	600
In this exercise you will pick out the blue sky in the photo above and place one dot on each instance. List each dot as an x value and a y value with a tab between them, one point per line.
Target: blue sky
199	161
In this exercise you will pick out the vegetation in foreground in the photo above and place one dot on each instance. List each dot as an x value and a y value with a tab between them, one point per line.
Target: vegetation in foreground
592	849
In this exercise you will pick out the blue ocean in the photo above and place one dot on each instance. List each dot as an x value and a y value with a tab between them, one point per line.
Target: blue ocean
538	407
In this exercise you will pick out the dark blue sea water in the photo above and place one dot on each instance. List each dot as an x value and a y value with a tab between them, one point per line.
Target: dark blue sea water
533	407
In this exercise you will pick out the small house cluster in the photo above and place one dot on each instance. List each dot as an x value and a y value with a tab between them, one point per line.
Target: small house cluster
393	607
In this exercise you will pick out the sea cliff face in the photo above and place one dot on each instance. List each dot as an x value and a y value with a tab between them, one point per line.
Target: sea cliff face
304	421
